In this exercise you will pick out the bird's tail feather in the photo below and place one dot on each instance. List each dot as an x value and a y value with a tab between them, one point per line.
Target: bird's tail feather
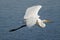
17	28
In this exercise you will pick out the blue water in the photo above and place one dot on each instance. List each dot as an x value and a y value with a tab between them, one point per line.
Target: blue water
11	16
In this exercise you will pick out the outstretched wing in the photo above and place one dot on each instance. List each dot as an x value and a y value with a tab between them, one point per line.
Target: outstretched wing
31	15
32	11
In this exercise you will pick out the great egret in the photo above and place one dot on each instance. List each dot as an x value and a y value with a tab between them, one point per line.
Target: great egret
31	18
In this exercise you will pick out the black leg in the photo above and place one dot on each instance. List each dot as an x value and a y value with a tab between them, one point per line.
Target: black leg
17	28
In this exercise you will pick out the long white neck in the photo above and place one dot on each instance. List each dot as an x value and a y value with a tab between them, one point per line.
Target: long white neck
41	23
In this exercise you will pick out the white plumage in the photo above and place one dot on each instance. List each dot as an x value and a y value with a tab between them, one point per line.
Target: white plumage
31	16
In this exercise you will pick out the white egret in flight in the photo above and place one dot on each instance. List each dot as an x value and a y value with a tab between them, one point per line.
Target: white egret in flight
31	18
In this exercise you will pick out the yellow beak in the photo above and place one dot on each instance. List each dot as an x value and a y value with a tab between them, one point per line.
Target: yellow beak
47	21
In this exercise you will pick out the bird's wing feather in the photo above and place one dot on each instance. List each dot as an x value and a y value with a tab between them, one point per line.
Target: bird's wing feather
31	15
30	22
32	11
